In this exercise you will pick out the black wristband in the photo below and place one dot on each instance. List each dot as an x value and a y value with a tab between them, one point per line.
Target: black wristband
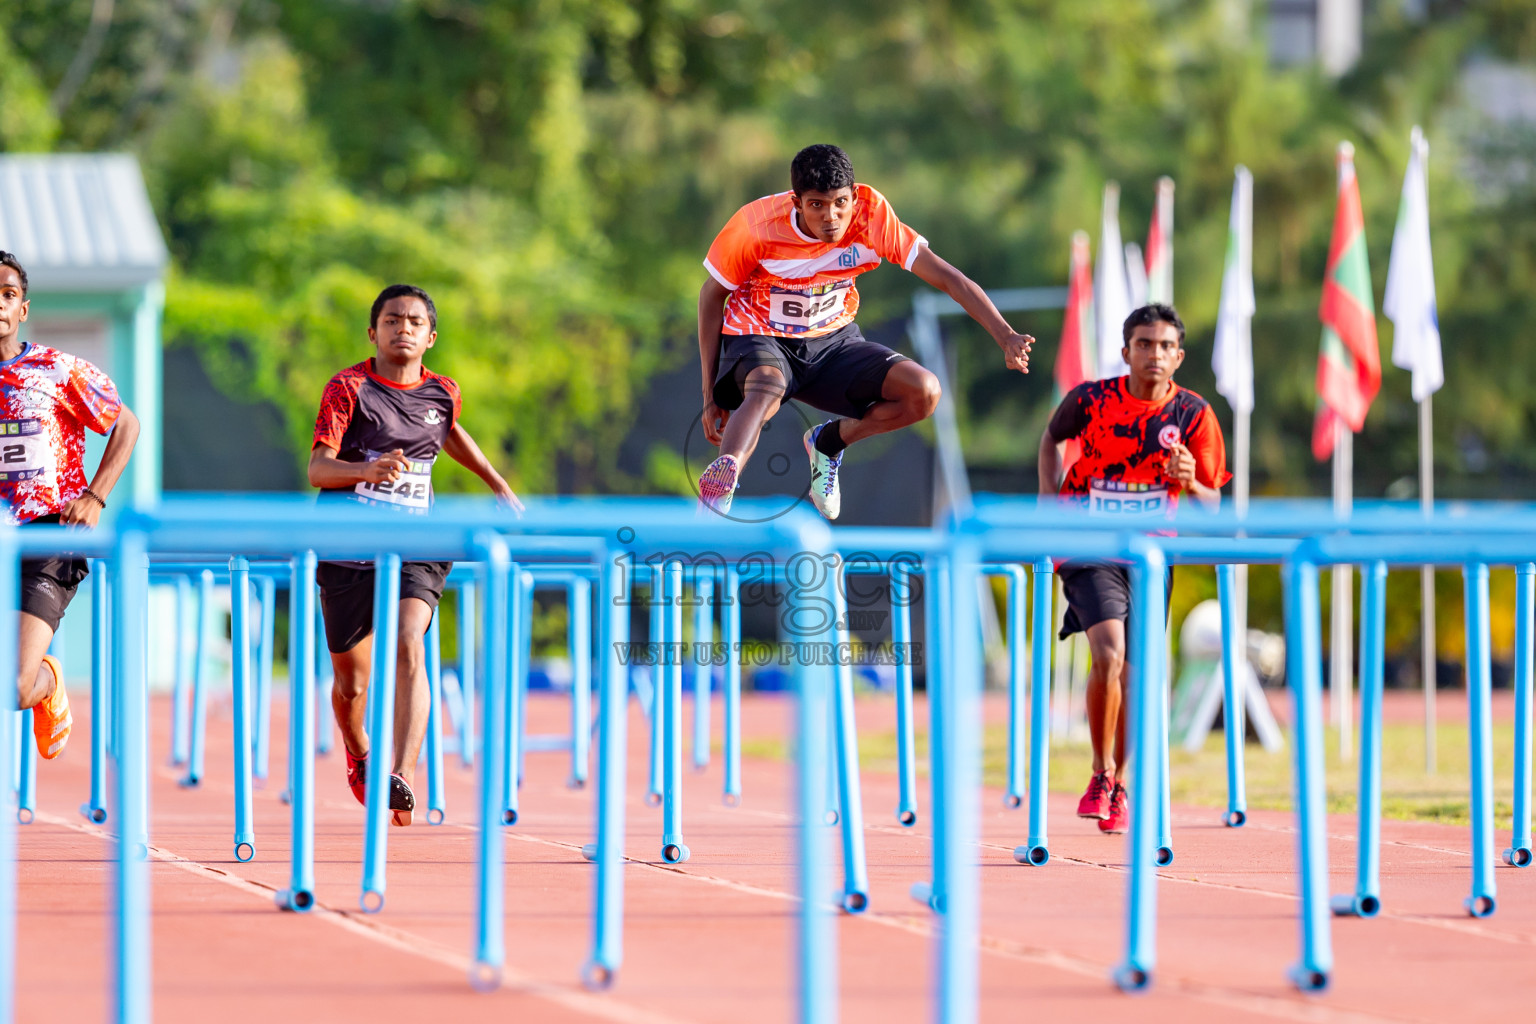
95	497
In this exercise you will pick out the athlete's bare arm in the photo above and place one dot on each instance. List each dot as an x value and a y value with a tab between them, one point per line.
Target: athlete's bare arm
974	301
711	319
326	470
1181	470
125	433
461	448
1050	463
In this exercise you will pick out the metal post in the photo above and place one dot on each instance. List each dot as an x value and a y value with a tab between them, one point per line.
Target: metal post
437	802
519	626
1148	577
1365	901
132	966
580	629
10	601
490	878
200	670
1042	640
613	692
816	947
381	728
901	641
658	641
1480	739
1234	678
519	738
240	672
266	588
939	640
467	644
851	800
26	779
703	668
180	710
1519	852
101	712
300	894
1018	675
958	800
673	849
730	635
1304	657
1427	660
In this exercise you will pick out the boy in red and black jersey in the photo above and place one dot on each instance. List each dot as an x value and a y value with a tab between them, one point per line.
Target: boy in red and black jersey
1146	442
48	400
381	426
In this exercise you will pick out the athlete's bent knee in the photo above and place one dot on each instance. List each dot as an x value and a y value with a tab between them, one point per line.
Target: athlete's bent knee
925	395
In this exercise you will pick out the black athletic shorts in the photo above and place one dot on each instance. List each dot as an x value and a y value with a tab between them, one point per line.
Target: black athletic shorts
1097	592
346	596
48	584
840	373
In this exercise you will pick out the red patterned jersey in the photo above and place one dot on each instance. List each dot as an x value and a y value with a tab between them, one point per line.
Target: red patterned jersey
1125	444
786	284
363	416
47	400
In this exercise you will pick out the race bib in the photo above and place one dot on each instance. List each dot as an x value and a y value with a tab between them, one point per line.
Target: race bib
1115	498
24	450
411	490
796	312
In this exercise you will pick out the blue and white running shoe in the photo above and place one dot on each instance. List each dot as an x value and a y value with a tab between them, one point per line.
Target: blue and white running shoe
824	491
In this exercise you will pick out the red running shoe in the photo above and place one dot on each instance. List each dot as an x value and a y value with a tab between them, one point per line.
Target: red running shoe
357	777
1119	811
1095	802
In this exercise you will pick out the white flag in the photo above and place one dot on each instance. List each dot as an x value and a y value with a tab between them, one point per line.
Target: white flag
1232	358
1111	290
1410	299
1159	268
1136	275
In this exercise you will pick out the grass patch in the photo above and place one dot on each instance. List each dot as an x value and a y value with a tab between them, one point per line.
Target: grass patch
1408	793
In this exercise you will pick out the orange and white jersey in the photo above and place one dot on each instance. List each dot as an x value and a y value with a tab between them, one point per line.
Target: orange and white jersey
786	284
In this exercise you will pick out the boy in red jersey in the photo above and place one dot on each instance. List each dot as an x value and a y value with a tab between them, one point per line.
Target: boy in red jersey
1145	442
381	426
776	322
47	400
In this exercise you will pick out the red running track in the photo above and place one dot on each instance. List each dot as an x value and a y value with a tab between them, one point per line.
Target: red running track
709	940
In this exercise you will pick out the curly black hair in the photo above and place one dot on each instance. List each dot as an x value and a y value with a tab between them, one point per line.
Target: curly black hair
820	168
1152	313
8	259
395	291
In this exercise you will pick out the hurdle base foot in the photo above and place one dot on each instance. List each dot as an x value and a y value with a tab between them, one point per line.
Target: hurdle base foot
1164	856
1480	906
923	893
1308	979
484	977
1235	819
675	853
95	814
1518	856
589	851
1033	854
1129	977
298	901
854	902
1355	905
596	977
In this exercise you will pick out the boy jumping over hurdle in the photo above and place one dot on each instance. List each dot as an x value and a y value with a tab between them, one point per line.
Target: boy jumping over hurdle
1146	441
47	400
381	426
776	322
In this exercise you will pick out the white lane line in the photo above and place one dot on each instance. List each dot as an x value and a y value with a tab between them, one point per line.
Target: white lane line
602	1007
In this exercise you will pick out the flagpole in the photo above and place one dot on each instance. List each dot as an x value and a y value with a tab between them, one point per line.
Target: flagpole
1341	664
1427	580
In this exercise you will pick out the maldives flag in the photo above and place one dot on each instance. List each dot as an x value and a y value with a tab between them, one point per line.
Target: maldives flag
1075	354
1349	365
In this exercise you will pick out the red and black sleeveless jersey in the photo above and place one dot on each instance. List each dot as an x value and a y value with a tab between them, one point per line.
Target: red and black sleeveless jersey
1125	444
363	416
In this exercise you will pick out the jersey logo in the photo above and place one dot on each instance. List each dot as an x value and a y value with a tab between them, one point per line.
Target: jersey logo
1169	435
850	257
432	419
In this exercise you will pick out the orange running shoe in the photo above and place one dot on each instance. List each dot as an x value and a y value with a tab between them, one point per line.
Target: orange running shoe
51	720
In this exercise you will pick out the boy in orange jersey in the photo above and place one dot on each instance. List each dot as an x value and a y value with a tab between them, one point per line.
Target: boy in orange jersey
776	322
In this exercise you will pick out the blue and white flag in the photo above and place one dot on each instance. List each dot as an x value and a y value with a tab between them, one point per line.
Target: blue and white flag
1410	299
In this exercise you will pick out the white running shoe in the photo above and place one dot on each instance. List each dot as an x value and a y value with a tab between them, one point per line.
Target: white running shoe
824	491
717	485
